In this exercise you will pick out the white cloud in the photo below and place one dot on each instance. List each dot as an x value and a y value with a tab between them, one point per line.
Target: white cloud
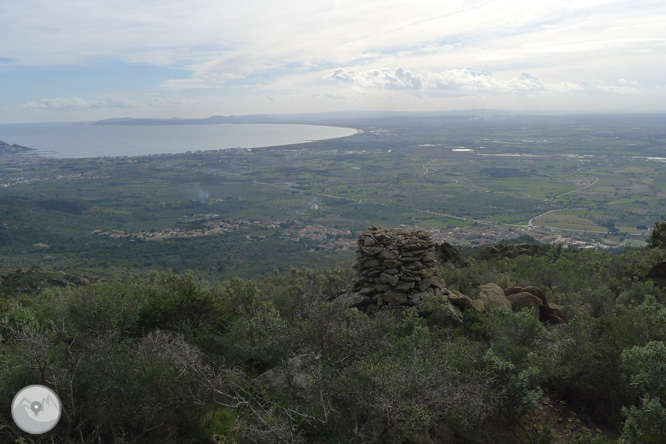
453	82
76	103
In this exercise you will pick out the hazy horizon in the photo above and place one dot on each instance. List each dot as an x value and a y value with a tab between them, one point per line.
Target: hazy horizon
73	61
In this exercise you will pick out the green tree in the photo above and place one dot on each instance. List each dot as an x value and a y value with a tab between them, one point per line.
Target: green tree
647	367
657	238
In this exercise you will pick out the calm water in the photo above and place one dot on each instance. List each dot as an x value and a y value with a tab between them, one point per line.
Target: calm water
84	140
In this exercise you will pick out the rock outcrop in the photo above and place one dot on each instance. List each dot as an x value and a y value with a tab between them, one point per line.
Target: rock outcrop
534	299
493	296
394	267
446	252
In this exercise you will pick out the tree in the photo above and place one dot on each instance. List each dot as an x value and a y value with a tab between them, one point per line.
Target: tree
657	238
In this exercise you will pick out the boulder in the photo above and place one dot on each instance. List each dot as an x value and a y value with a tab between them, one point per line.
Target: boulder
493	296
551	313
478	306
524	300
447	253
460	300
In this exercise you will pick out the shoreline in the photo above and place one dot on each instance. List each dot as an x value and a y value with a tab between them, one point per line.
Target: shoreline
81	141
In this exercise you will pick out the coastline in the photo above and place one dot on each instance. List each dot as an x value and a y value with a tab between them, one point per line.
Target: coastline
77	140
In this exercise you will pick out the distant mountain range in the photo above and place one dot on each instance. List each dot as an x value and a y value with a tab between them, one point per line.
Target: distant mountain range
335	117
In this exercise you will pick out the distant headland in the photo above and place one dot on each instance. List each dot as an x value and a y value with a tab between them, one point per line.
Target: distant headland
6	149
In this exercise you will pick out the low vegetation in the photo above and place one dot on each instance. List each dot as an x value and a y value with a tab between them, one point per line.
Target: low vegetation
167	357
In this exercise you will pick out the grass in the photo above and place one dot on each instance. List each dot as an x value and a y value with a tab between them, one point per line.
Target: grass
568	222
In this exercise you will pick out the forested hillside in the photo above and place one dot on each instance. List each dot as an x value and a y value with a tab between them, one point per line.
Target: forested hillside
170	358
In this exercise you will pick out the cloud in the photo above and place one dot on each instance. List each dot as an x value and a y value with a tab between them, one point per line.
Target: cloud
289	50
470	82
456	82
76	103
174	101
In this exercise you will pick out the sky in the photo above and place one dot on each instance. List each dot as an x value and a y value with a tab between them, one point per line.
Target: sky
82	60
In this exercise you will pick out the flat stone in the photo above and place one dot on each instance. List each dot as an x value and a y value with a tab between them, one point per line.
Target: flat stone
416	265
404	286
390	279
371	251
372	263
367	290
387	255
409	258
395	298
390	264
427	272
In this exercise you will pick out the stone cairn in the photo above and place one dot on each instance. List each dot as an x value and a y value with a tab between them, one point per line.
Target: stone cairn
394	267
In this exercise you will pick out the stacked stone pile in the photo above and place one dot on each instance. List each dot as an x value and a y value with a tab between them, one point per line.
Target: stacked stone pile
394	267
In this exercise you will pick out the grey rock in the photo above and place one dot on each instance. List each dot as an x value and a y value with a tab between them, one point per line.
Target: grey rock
447	253
404	286
392	297
388	255
390	279
425	284
372	263
493	296
389	264
439	282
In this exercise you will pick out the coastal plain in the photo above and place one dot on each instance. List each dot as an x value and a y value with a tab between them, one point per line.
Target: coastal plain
587	181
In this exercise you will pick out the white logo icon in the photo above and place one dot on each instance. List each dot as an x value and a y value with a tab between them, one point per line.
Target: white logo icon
36	409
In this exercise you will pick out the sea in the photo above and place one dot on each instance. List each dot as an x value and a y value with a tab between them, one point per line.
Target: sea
81	140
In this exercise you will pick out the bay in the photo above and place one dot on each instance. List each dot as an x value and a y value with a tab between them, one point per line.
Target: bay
80	140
